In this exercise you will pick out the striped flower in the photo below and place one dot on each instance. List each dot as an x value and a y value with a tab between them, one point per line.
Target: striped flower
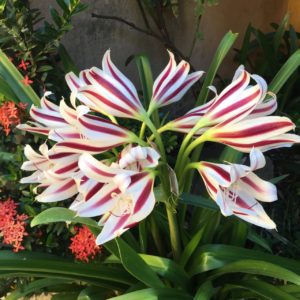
122	192
76	130
236	189
107	91
263	133
54	174
237	101
173	82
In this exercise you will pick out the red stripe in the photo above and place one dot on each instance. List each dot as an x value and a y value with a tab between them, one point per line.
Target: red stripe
65	187
237	105
101	129
48	106
172	81
163	78
60	155
263	109
208	183
230	91
258	144
48	117
93	190
218	170
112	89
122	220
38	130
84	77
178	90
99	171
74	82
82	146
103	200
115	75
68	168
142	199
137	177
108	102
253	131
252	184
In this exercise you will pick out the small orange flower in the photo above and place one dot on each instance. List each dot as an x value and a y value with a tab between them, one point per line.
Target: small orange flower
12	225
83	245
10	114
26	80
23	65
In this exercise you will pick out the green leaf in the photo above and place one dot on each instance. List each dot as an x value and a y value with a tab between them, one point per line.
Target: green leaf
60	214
67	61
205	291
146	78
280	32
133	263
34	286
13	78
31	264
285	72
191	247
261	288
224	47
243	53
212	257
197	200
257	239
2	5
154	294
7	92
167	268
257	267
93	293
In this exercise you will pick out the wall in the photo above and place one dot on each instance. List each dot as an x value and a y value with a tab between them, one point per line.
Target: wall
91	37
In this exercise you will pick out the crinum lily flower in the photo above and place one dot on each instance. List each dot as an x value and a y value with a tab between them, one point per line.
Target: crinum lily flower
54	175
264	133
237	101
124	195
172	83
236	189
108	91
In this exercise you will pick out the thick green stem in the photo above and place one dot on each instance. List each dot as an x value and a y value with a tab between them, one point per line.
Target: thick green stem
179	162
142	131
174	233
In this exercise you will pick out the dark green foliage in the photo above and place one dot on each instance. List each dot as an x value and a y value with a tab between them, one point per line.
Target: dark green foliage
23	36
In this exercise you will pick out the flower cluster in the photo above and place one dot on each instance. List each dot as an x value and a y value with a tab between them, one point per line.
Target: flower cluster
12	225
11	114
118	185
83	244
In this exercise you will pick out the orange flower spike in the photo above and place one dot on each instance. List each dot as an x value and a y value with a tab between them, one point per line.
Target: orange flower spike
23	65
83	245
26	80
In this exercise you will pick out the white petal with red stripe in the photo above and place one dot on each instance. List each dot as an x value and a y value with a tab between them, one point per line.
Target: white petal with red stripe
261	133
99	129
97	170
83	146
58	191
110	69
137	158
173	83
244	207
99	201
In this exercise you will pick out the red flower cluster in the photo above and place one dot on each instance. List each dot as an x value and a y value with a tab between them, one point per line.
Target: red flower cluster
83	245
12	225
10	114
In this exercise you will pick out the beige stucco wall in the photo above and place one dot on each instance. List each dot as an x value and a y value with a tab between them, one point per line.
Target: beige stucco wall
91	37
